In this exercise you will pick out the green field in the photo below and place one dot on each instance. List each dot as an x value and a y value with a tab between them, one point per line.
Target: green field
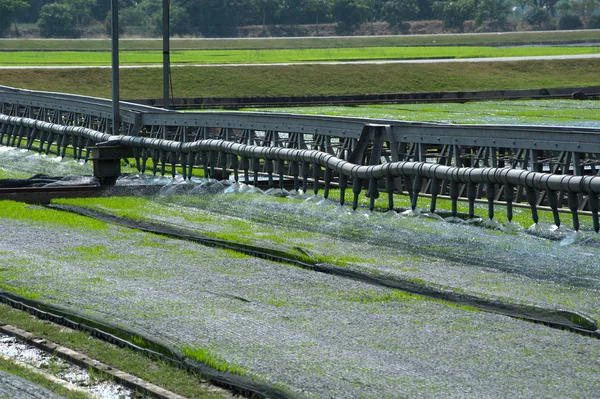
56	58
493	39
305	80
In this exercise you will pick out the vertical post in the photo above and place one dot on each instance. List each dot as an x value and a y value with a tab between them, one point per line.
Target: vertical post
166	56
114	31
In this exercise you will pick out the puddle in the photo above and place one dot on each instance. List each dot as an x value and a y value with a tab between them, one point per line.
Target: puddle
69	373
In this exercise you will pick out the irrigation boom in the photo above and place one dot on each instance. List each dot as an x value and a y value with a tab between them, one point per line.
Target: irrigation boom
540	166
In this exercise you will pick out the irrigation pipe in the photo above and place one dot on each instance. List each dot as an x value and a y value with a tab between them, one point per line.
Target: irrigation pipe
504	176
514	177
74	131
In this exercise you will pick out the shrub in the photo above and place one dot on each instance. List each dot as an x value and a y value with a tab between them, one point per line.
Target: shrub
350	14
538	16
56	20
594	22
454	13
569	22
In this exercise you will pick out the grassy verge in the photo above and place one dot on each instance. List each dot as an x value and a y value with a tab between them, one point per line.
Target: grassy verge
159	373
307	80
205	356
11	174
315	42
23	212
38	58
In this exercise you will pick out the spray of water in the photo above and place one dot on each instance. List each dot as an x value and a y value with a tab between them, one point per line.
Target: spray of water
14	160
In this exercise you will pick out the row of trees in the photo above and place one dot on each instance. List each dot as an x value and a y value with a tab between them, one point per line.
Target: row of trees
67	18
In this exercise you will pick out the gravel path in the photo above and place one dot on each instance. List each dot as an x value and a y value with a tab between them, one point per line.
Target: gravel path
319	335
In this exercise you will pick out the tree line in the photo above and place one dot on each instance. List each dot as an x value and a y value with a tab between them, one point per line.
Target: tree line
222	18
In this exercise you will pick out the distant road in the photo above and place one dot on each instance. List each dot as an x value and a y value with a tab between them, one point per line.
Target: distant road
372	62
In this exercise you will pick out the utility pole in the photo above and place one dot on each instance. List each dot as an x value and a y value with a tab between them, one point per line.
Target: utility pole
166	55
114	32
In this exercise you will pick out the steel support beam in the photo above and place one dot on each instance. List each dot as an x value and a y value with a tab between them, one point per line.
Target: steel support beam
166	54
114	30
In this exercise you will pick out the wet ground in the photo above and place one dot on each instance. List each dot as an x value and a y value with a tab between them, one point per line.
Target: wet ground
315	334
320	335
67	374
580	113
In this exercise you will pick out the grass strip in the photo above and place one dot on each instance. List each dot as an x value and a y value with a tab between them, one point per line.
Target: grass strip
61	58
13	174
31	213
555	318
307	80
203	355
299	259
498	39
